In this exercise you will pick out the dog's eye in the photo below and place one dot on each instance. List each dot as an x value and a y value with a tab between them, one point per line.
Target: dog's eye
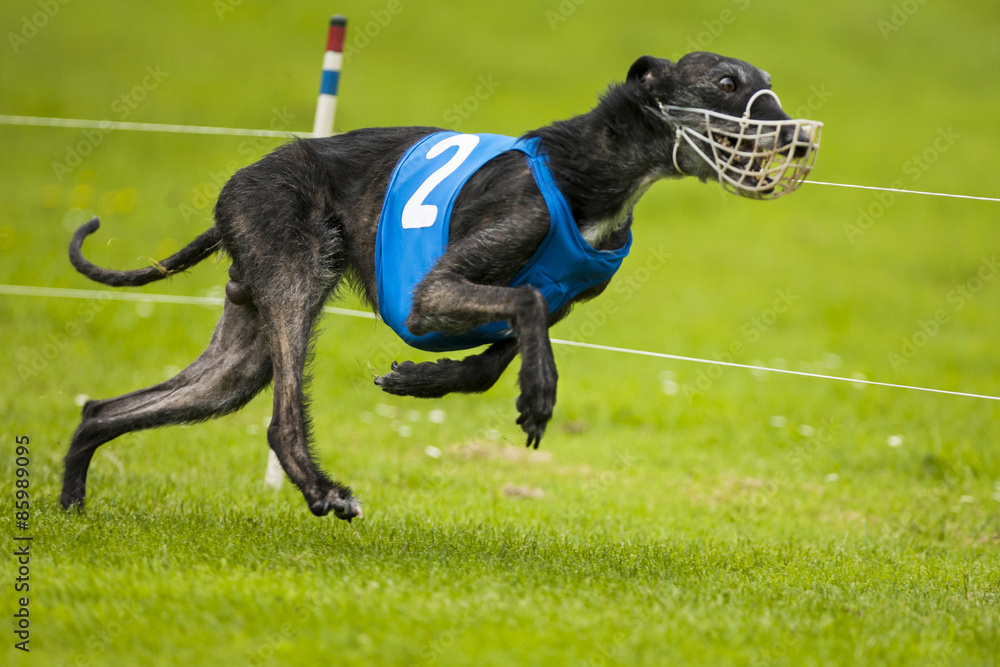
727	84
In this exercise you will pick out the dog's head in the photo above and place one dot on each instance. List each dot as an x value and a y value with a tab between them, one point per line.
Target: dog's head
726	123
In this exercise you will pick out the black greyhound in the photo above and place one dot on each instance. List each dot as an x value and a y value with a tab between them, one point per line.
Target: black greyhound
306	215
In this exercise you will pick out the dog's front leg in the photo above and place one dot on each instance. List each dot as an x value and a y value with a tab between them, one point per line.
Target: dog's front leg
449	302
434	379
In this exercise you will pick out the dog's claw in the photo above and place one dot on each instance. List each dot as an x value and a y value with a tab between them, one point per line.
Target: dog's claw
77	504
411	379
533	419
395	381
343	508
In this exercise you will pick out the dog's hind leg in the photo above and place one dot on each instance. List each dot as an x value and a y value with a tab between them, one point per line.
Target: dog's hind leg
433	379
290	309
234	368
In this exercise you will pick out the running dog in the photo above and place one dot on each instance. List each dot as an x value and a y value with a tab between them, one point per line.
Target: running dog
456	240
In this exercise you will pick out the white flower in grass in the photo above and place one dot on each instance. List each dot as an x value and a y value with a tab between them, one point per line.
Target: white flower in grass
668	383
388	411
144	309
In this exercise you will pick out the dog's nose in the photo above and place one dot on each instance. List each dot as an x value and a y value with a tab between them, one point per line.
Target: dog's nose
788	136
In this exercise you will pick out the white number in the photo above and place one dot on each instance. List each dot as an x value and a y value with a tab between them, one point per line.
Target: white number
416	213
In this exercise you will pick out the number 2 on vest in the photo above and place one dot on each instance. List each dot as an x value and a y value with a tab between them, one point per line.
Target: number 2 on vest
417	214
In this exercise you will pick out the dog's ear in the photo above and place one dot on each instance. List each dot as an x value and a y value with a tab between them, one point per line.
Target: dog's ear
640	68
654	75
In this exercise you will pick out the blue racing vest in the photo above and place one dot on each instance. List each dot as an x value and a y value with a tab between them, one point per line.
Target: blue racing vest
413	234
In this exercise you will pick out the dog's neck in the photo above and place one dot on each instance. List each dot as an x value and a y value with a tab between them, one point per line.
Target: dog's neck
605	160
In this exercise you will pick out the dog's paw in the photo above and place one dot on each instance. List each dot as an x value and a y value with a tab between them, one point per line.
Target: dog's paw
412	379
341	502
535	413
71	501
394	382
74	492
538	398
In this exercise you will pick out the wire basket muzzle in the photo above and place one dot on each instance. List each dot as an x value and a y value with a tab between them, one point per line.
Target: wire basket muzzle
759	159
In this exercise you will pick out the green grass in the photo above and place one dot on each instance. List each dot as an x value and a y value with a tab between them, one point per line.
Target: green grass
743	519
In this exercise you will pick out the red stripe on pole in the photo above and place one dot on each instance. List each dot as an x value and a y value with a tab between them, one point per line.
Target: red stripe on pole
335	39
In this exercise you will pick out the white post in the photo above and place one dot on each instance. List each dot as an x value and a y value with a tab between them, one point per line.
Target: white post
274	475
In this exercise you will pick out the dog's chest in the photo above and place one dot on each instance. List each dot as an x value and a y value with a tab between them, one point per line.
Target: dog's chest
595	233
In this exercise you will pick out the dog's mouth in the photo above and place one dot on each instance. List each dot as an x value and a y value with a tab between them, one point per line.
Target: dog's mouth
760	159
742	160
747	167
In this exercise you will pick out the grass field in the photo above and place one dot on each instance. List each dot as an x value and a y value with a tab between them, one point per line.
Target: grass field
677	513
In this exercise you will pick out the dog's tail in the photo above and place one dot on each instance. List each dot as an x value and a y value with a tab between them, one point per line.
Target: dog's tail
207	242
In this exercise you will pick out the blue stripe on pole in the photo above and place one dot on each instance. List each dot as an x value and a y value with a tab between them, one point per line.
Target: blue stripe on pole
329	84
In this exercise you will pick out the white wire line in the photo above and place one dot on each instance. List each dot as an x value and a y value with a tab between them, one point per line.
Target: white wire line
144	127
54	292
908	192
106	295
42	121
676	357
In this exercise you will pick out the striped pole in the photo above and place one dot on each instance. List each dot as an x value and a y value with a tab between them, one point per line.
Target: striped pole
326	106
